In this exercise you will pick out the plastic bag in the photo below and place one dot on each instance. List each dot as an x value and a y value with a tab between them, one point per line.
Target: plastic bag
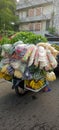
20	50
27	74
4	69
15	64
18	74
50	76
31	59
22	66
10	70
6	47
28	53
36	58
52	59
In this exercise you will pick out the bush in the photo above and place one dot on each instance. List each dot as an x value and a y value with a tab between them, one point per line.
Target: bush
7	33
52	30
28	37
5	40
10	33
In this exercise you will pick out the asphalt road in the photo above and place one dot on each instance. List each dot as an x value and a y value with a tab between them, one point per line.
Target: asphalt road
33	111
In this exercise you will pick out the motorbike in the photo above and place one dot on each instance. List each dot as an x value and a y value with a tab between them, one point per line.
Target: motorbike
21	88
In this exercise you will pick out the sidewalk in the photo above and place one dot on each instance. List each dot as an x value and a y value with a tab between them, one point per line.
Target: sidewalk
5	87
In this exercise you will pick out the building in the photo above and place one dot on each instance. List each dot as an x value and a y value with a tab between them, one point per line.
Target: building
38	15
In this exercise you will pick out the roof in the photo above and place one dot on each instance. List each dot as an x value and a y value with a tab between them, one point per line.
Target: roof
32	3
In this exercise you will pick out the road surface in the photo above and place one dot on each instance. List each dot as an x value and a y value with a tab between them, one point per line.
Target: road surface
33	111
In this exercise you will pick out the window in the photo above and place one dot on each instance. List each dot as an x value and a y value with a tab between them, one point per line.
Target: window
31	12
31	26
38	11
37	26
22	14
47	24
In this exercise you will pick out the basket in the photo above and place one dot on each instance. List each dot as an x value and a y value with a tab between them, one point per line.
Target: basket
28	87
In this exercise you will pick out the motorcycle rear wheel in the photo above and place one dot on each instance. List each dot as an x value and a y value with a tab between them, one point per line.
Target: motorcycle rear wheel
19	91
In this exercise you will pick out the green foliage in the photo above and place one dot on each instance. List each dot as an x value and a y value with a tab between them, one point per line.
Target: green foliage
28	37
5	40
7	14
52	30
10	33
7	33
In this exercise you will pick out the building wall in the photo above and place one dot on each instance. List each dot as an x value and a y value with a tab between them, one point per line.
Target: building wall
47	9
56	15
38	15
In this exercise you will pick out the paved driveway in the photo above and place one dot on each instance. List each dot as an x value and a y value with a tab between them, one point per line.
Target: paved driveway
33	111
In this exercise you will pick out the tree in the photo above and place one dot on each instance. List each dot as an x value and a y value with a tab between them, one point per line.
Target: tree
7	14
